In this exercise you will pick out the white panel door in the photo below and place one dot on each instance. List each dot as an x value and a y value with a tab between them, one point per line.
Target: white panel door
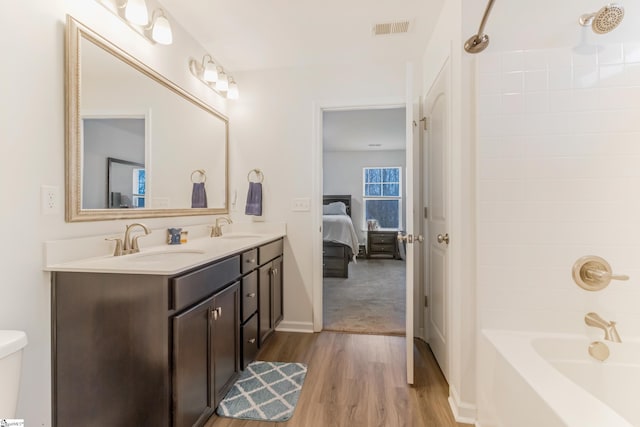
436	108
410	253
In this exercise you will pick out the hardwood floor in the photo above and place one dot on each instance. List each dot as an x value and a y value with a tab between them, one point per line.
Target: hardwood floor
357	381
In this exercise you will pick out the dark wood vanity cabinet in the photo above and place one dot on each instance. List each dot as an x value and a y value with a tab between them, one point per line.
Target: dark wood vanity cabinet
153	350
270	297
205	356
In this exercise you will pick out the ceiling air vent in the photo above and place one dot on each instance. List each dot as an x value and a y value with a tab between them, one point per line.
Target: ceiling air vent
397	27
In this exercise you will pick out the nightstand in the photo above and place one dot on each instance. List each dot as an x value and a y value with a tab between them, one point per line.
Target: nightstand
383	243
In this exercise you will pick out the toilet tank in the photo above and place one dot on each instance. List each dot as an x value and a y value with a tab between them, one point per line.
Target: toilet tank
11	345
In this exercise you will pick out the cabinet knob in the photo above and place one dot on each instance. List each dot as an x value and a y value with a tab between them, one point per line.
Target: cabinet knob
251	261
251	341
251	295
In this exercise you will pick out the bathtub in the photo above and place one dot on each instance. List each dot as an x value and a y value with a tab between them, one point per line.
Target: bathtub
542	379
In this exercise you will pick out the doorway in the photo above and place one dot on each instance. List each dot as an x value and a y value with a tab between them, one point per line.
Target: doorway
363	152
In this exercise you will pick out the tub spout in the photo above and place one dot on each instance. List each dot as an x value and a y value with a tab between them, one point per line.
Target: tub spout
609	328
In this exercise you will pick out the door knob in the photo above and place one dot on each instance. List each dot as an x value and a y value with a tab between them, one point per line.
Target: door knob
419	238
444	238
406	237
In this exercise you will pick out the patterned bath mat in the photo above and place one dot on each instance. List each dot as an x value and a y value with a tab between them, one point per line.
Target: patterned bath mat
266	391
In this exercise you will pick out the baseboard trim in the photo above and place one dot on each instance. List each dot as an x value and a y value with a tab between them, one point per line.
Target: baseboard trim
462	412
289	326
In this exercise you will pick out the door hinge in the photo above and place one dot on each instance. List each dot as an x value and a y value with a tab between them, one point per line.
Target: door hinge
426	301
426	212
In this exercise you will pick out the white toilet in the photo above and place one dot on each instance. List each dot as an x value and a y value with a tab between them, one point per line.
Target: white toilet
11	345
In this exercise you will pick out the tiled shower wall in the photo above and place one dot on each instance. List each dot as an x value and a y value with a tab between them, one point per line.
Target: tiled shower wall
558	177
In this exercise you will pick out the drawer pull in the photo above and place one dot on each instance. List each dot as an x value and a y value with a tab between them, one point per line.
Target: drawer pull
251	261
251	341
251	295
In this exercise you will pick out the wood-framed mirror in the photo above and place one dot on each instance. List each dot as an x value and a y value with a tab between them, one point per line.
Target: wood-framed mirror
119	108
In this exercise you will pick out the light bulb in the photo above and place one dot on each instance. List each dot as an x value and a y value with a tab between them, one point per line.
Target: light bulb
210	73
161	32
222	84
233	92
136	12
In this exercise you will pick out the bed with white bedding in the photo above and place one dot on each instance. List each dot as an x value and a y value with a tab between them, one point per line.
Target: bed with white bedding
340	240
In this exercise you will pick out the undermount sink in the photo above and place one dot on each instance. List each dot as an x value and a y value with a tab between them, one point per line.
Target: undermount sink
239	236
168	255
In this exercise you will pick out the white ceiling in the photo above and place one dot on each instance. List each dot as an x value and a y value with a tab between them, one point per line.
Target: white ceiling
355	130
258	34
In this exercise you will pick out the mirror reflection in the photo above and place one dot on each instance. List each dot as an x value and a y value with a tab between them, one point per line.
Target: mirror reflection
135	138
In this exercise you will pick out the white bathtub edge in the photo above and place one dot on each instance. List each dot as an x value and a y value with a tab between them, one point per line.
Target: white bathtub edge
557	391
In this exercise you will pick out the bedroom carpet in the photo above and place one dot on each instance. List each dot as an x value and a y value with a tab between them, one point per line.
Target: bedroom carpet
370	301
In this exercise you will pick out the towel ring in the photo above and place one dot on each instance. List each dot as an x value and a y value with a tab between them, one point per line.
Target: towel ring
203	175
259	175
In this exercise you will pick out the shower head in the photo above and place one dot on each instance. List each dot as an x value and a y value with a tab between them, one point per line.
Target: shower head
604	20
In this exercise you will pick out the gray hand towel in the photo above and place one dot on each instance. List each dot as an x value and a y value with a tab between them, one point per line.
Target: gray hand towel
198	195
254	199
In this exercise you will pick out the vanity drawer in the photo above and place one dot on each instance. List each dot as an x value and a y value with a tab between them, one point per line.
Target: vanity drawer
249	340
249	260
249	295
269	251
192	287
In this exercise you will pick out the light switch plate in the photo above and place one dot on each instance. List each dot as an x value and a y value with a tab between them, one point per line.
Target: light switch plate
301	204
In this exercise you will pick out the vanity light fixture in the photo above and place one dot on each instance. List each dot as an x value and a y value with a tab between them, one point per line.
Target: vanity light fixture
209	69
213	75
233	92
136	12
161	28
222	84
136	16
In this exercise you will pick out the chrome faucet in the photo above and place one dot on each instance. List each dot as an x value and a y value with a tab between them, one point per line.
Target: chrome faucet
216	230
609	328
130	244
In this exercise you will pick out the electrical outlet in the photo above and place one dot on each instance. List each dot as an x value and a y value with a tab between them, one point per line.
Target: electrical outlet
49	199
301	205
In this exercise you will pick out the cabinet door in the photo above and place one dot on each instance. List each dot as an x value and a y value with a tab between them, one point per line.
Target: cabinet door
264	301
192	363
276	289
225	340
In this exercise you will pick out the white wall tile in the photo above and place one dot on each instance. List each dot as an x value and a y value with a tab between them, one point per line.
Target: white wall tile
537	102
512	82
558	177
611	55
489	83
585	77
631	52
490	62
579	60
535	60
512	103
535	81
560	78
611	76
512	61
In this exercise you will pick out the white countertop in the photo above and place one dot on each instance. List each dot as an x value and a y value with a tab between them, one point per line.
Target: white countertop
161	259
